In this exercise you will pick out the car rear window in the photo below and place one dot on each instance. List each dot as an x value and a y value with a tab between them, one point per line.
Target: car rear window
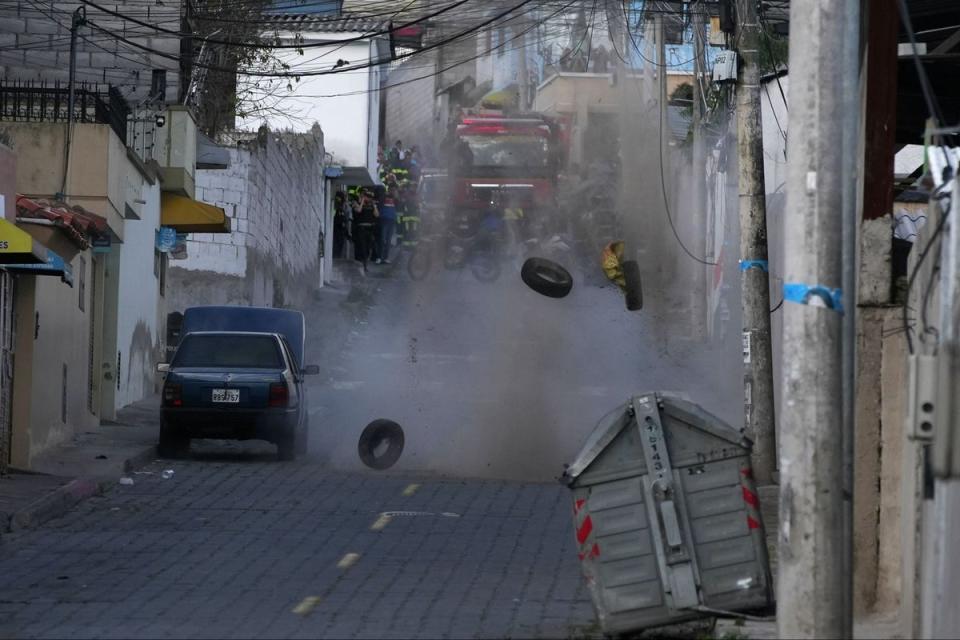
229	351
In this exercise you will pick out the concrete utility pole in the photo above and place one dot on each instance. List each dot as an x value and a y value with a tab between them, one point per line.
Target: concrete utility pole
760	418
811	583
662	99
699	217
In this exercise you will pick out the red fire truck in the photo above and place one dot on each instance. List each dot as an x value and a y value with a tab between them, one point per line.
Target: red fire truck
505	161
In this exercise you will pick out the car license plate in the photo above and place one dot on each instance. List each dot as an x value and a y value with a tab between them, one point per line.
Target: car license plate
226	395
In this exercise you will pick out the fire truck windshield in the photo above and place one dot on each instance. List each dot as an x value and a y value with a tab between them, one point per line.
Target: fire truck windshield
511	151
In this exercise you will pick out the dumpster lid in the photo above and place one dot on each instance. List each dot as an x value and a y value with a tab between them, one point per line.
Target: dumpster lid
673	405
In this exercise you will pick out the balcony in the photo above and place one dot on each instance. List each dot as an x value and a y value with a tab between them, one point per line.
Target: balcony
168	137
27	101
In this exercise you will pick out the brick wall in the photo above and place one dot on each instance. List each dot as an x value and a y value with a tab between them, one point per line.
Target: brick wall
274	195
35	44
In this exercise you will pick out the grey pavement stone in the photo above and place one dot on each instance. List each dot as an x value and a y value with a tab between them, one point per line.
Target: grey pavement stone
228	548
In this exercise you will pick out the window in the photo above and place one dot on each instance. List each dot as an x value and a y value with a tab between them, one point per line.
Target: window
224	350
82	283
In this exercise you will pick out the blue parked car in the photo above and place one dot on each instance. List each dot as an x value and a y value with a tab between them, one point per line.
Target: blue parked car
237	374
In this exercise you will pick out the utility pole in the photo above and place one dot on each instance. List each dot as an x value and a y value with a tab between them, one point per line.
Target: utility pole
812	550
79	19
699	217
662	99
524	72
759	415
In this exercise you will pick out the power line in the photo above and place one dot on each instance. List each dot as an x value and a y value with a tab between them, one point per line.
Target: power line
335	70
266	45
439	71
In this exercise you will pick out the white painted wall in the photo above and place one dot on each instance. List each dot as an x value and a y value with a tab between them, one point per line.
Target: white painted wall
140	308
346	105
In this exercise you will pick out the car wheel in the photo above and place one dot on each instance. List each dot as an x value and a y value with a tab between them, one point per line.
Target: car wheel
287	447
303	437
455	257
634	290
546	277
172	444
485	267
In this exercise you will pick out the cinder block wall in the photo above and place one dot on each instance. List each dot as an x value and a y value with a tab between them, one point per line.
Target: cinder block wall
35	44
274	194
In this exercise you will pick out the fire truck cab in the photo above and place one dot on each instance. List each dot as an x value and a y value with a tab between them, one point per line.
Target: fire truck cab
504	161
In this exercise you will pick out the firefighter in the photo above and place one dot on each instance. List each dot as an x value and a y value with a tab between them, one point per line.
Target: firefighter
410	216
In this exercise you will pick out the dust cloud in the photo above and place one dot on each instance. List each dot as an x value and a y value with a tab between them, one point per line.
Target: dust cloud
490	379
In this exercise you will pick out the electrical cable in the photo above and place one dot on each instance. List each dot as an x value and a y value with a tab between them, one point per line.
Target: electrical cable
265	45
439	71
334	70
916	267
666	203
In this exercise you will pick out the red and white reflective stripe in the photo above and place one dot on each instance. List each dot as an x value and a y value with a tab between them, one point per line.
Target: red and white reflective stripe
584	530
750	497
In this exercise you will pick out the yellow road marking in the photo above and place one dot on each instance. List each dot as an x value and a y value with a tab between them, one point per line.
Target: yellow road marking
381	522
307	605
411	489
348	560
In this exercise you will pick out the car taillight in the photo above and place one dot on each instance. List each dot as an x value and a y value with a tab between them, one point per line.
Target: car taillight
171	395
279	394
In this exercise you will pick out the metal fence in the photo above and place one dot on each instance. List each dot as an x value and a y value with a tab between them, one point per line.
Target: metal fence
27	101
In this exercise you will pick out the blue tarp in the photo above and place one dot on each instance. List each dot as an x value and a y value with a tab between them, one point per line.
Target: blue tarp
287	323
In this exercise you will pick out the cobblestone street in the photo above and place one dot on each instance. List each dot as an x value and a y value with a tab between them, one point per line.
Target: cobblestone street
235	544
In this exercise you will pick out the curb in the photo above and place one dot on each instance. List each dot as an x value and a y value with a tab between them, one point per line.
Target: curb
60	501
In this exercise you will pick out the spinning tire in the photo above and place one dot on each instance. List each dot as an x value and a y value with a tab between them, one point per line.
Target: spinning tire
546	277
374	435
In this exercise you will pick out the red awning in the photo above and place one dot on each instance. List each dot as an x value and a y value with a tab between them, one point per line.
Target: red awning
79	224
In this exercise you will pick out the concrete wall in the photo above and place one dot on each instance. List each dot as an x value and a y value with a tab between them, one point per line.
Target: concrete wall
41	416
35	45
97	174
8	182
409	104
141	313
274	192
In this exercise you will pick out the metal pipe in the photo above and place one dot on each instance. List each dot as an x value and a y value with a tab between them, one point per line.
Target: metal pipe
850	114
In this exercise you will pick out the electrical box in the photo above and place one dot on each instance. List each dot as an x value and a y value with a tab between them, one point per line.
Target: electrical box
922	397
725	67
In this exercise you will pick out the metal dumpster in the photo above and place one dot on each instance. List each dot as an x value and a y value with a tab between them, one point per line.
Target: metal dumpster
667	518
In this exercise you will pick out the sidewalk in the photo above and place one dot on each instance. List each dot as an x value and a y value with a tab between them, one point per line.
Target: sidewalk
80	468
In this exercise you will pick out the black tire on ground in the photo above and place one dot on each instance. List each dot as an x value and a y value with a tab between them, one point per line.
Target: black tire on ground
546	277
172	444
287	447
634	289
418	265
374	436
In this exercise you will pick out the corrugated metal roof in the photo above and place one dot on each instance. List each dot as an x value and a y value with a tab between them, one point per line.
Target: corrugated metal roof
326	24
